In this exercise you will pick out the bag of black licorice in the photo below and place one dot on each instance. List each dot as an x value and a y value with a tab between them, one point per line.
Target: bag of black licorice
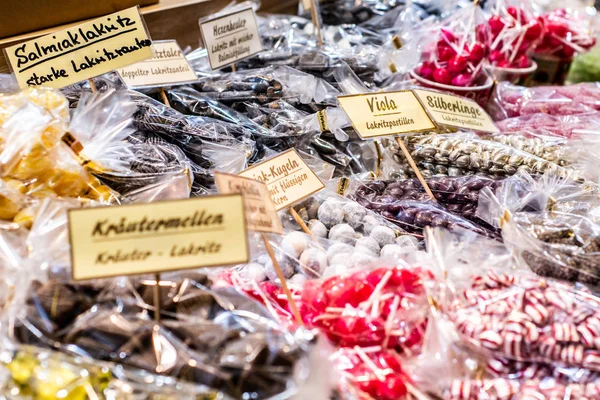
216	338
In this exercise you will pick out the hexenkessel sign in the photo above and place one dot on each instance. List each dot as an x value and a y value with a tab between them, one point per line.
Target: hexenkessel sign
81	52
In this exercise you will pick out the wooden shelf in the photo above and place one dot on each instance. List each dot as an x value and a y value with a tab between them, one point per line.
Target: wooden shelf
169	19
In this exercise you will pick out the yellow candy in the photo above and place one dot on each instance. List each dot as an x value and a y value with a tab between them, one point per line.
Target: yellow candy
68	183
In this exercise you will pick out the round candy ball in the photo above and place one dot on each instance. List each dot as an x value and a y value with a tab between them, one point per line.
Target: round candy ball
383	235
330	213
339	249
253	272
354	214
317	228
294	243
286	267
313	262
343	233
369	223
368	244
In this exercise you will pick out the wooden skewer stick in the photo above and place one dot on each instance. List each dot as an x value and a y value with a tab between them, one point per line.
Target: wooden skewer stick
315	19
414	167
300	221
93	85
283	281
157	298
164	97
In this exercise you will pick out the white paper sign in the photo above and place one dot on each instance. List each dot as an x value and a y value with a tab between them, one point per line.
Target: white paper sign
230	38
168	67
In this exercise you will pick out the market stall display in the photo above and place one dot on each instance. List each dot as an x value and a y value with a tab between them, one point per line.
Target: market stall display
460	262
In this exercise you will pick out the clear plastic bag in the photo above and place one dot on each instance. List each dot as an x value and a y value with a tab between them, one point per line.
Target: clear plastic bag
545	125
51	156
450	370
213	337
465	154
371	315
456	49
515	32
501	310
33	373
566	32
511	101
552	235
459	195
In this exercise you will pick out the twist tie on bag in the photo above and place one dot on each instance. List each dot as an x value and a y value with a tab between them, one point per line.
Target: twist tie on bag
76	146
505	218
322	119
396	42
342	186
393	68
379	160
551	206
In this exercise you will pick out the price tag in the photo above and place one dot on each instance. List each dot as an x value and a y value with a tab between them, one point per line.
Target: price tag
288	178
74	54
168	67
155	237
455	111
383	114
230	38
261	215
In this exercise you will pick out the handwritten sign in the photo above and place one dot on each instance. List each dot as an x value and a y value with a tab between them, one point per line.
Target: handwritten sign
381	114
74	54
168	66
230	38
455	111
261	215
155	237
288	178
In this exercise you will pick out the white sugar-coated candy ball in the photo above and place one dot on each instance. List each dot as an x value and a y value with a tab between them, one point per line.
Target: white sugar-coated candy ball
313	262
286	268
369	244
407	241
263	259
383	235
330	213
392	250
317	228
297	279
335	270
370	222
339	249
341	259
253	272
354	214
294	243
343	233
362	260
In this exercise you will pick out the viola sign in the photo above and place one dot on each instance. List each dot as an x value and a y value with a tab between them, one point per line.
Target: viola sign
382	114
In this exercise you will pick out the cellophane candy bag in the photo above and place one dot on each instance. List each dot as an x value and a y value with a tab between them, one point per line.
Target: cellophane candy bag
459	48
566	33
515	31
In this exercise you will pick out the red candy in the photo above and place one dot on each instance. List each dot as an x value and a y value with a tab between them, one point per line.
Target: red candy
515	33
441	75
564	34
530	319
458	50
